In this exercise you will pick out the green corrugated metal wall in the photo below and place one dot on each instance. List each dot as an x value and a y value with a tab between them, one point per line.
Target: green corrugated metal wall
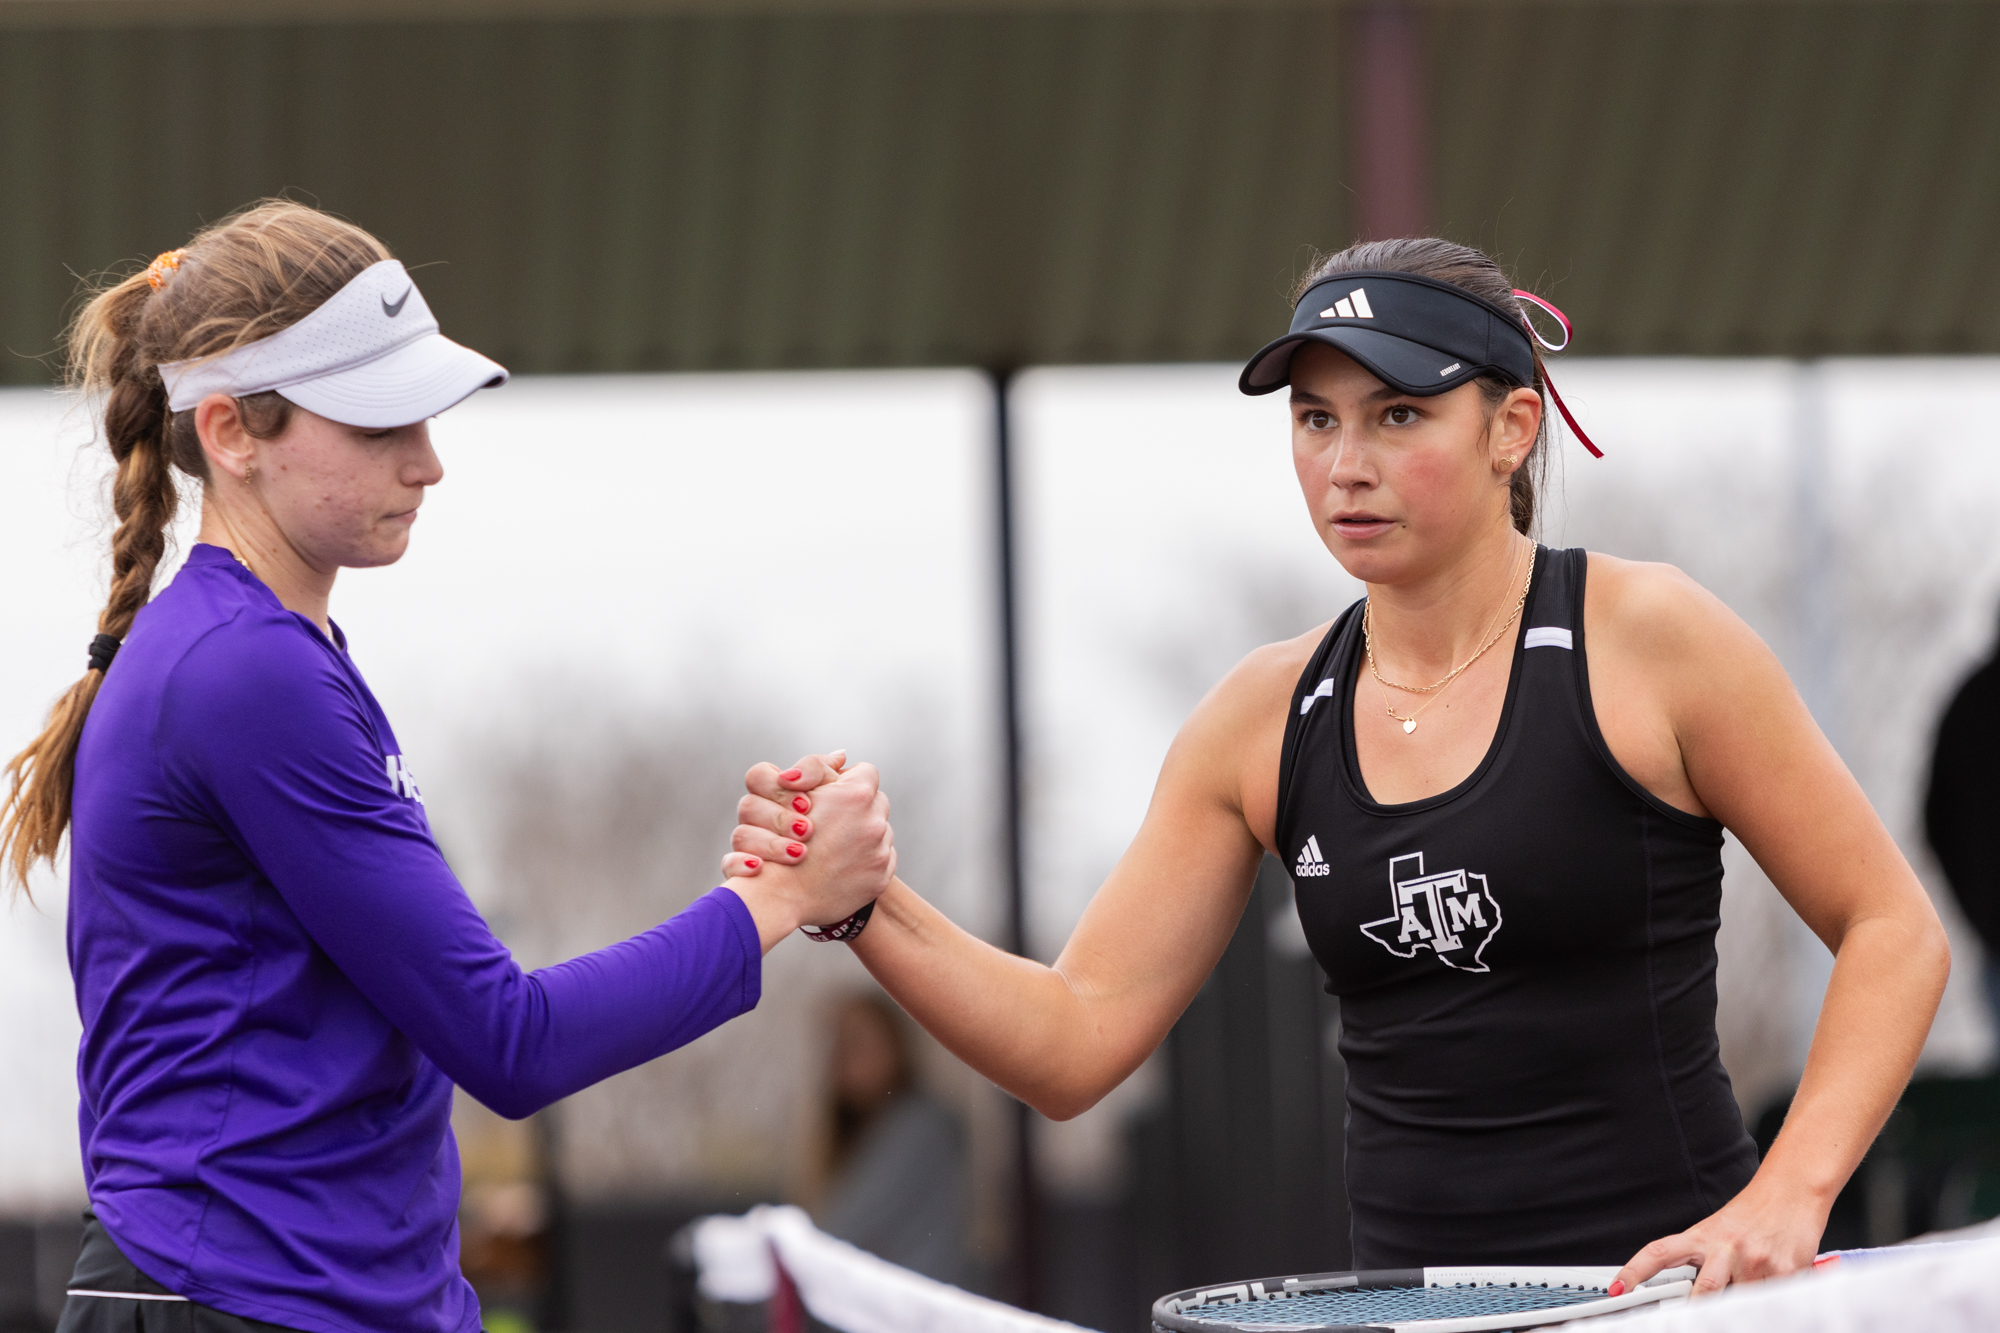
753	190
1734	179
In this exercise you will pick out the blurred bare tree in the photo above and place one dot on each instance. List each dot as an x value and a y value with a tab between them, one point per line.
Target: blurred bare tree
1244	606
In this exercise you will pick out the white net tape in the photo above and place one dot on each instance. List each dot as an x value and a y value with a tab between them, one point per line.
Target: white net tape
843	1287
1941	1288
1950	1287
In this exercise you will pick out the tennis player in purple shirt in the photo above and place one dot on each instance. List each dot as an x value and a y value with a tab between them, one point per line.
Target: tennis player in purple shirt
279	978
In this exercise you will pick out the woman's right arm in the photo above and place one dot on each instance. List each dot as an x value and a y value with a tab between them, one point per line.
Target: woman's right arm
1061	1037
269	742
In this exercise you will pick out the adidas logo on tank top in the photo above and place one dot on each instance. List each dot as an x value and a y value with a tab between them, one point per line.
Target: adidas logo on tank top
1311	863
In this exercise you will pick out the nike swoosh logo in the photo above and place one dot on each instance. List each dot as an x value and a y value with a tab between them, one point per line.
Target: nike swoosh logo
394	310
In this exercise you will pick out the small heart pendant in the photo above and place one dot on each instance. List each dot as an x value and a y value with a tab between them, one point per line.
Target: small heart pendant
1409	725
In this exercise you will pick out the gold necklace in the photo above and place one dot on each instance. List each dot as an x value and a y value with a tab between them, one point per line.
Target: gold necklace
237	554
235	537
1409	720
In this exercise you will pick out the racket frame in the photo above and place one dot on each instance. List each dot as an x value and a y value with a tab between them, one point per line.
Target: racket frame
1168	1317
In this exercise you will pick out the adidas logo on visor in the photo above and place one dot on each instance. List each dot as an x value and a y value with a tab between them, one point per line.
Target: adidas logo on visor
1354	305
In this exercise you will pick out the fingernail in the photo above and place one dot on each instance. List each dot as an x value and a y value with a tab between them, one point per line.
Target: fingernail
801	804
1617	1288
793	849
751	863
791	775
800	828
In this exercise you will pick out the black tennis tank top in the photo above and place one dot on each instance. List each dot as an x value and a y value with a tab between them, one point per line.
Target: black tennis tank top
1526	973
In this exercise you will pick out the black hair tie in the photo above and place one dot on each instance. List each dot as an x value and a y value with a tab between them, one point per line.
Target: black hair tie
102	649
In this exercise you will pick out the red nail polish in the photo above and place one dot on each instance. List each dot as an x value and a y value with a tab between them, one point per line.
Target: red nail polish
791	775
801	804
1617	1288
800	828
794	849
751	863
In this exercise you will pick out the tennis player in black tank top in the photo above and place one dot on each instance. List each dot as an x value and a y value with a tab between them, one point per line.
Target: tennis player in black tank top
1501	783
1526	966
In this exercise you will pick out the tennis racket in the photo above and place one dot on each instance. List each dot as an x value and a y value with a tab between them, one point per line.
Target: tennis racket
1410	1300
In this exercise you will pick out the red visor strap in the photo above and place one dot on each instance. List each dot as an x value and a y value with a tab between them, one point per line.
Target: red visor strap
1536	334
1563	408
1561	319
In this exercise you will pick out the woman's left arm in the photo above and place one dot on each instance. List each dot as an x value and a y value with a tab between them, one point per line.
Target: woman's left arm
1751	755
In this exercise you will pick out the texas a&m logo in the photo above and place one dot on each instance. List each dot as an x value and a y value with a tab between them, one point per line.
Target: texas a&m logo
1453	914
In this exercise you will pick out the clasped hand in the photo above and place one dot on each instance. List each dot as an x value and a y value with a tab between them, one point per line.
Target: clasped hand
841	812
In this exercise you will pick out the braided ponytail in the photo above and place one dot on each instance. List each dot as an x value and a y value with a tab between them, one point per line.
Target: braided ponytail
245	278
144	495
105	354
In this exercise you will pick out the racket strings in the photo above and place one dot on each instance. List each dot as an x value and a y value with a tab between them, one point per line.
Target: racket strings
1391	1305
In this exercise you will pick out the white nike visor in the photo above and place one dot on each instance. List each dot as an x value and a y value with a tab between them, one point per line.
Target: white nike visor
371	356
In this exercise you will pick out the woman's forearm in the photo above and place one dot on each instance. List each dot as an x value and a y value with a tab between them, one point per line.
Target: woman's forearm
1887	978
1018	1022
1888	973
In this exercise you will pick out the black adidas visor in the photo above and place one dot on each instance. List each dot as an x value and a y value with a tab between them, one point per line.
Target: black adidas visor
1416	335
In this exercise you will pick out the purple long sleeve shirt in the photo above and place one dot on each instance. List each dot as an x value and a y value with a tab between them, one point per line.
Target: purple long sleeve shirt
280	979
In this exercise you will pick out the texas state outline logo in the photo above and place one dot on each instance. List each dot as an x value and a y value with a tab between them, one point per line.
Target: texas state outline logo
1453	914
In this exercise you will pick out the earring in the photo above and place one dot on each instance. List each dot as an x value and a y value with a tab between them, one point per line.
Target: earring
249	471
1508	461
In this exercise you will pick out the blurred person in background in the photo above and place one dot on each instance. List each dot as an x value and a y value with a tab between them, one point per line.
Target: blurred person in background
895	1156
1533	1070
278	975
1962	812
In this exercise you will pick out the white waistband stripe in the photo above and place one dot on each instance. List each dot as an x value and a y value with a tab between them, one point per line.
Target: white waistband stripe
1548	636
128	1295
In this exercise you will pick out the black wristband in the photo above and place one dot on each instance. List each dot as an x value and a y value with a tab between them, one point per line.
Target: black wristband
839	930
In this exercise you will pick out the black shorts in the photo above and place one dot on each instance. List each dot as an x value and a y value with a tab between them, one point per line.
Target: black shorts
130	1301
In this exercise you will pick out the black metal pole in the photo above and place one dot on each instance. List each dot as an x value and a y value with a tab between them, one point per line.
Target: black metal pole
1026	1287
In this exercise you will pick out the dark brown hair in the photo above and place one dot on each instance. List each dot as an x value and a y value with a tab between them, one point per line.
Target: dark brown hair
257	271
1473	271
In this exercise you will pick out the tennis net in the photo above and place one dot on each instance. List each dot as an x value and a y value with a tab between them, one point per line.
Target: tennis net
768	1253
1952	1286
774	1255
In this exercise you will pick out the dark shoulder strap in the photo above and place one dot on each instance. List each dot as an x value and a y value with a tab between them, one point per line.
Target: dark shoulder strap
1319	686
1576	566
1555	612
